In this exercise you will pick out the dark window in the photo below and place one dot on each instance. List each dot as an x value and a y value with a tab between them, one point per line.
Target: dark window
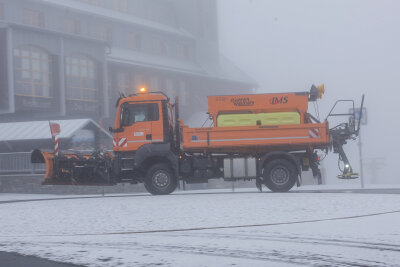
33	75
182	51
161	12
72	26
33	18
124	83
159	46
81	78
134	41
1	11
104	33
133	113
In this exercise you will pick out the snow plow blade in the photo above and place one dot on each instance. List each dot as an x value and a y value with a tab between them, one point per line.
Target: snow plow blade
75	168
47	158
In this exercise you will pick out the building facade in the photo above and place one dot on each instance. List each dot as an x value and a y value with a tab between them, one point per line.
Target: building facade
72	58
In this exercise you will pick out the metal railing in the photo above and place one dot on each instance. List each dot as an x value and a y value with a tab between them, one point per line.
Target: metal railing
19	162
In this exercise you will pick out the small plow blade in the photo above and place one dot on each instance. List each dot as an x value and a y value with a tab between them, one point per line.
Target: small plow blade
47	158
75	168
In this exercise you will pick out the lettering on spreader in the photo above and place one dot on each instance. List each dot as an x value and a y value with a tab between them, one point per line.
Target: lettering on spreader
278	100
245	101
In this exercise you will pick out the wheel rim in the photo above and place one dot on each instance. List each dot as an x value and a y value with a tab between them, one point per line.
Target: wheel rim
279	175
161	179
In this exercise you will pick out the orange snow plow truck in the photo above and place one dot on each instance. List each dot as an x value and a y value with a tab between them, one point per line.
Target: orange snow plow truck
269	138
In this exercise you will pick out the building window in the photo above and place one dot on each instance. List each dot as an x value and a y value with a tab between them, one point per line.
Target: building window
104	33
33	75
1	11
72	26
159	47
121	5
182	51
33	18
124	84
80	78
162	13
134	41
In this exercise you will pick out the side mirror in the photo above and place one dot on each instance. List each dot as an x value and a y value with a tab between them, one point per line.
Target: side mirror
110	129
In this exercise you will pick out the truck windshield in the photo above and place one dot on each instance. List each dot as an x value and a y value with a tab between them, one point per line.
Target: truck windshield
133	113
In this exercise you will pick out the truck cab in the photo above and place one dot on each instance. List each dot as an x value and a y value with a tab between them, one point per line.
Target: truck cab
144	137
140	119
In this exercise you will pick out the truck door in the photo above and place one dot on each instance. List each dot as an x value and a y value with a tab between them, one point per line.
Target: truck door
141	123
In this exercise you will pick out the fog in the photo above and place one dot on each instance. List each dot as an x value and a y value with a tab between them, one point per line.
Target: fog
108	106
350	46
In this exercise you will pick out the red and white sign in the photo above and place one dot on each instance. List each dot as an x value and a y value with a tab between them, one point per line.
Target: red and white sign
122	142
55	129
314	133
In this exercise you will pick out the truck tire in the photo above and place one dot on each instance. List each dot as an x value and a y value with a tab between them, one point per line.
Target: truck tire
279	175
160	180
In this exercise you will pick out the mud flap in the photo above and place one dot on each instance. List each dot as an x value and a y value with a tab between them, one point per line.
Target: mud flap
259	184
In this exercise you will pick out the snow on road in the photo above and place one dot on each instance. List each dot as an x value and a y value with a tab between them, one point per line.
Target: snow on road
103	231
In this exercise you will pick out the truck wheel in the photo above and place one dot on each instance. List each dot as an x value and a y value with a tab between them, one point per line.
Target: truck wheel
280	175
160	180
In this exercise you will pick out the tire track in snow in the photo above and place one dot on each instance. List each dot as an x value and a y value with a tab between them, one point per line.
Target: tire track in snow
208	228
122	196
301	240
275	255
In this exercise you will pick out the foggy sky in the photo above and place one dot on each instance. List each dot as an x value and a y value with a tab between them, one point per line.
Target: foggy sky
353	47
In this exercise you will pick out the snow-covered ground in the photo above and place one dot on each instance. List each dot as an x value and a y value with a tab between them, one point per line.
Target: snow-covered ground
264	229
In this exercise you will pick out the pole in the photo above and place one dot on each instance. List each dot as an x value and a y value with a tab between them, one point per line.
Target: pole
56	145
361	160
